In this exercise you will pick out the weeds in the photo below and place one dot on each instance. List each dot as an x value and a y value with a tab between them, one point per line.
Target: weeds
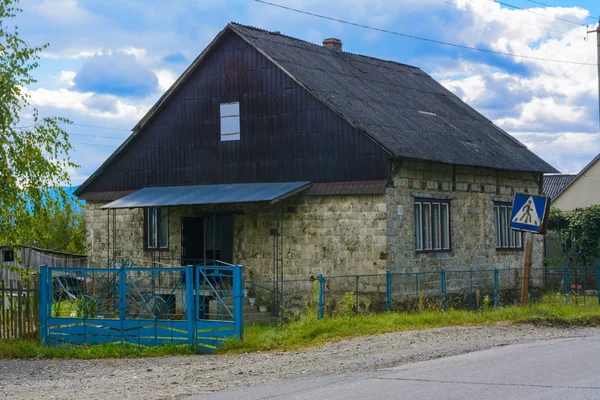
310	331
24	349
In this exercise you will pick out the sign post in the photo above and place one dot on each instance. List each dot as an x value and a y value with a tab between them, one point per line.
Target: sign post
530	215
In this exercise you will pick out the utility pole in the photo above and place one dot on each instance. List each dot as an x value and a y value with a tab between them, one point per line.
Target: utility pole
597	31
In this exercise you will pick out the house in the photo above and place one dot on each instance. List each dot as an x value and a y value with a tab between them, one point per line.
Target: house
296	159
568	191
31	257
555	183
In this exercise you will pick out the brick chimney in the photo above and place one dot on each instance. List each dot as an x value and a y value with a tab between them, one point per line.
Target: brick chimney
333	43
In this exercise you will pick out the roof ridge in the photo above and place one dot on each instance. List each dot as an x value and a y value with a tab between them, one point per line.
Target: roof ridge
277	33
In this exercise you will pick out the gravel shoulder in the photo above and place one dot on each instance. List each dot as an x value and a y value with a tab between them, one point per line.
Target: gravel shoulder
184	376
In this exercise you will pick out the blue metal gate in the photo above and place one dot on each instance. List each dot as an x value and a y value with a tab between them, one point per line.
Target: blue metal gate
196	305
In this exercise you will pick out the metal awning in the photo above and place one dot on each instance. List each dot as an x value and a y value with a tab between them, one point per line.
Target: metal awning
209	194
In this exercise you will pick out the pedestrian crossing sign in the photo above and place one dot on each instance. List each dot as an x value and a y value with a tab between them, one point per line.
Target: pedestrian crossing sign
530	213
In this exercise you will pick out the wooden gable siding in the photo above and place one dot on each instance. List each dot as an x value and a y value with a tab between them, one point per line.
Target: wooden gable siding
286	134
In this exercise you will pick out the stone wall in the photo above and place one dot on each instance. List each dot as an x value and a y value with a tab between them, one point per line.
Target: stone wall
472	192
333	235
341	235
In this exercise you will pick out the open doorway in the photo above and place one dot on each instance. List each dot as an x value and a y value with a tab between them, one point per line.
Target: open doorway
207	239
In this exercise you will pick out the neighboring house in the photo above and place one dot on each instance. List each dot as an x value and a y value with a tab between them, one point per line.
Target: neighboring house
555	183
32	257
568	192
577	191
295	159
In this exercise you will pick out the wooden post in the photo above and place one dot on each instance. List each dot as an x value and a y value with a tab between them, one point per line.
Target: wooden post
527	268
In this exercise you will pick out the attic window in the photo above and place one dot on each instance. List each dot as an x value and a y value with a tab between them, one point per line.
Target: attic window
230	121
427	113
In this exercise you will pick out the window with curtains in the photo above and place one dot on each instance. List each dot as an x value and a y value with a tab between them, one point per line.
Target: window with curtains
432	225
156	221
506	238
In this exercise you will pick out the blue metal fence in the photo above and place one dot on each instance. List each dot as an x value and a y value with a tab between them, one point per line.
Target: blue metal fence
468	289
196	305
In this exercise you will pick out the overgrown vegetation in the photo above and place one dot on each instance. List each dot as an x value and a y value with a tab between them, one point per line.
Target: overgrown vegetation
22	349
310	331
34	153
578	233
64	230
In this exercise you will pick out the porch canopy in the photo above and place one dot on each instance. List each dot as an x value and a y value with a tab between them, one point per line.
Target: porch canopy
208	194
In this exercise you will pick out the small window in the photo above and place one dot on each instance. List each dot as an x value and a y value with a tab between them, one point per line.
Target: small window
432	225
230	121
8	256
157	228
505	237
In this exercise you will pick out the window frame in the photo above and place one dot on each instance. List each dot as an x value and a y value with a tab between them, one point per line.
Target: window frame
444	235
8	252
230	136
507	235
159	223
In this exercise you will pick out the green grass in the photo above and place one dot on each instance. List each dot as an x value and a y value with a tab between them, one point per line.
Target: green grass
309	331
24	349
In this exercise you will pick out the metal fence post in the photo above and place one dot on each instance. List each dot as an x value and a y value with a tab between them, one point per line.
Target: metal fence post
356	296
496	288
471	290
443	287
566	283
598	282
388	291
189	298
238	300
44	306
122	301
321	294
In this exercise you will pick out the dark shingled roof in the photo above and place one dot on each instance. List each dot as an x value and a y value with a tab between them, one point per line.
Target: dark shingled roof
555	183
399	106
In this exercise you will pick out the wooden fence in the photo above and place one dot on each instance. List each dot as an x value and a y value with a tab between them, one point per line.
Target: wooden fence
18	309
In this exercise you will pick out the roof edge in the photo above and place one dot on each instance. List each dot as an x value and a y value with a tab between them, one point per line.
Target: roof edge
579	175
159	103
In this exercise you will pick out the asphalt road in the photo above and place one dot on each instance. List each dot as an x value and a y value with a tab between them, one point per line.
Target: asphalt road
555	369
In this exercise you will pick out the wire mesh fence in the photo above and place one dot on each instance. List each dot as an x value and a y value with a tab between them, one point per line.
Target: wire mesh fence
348	295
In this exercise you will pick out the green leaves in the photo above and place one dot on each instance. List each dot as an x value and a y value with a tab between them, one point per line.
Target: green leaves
34	159
581	229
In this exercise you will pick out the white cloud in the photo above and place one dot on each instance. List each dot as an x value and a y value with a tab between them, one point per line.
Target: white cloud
77	101
165	78
66	78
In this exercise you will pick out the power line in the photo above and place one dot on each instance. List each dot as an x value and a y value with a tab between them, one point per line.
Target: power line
95	144
422	38
97	136
548	5
536	13
570	72
505	18
102	127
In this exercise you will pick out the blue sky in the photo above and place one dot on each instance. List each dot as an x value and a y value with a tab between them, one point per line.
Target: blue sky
110	60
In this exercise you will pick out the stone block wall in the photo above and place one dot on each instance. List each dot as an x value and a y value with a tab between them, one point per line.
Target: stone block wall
472	192
333	235
344	235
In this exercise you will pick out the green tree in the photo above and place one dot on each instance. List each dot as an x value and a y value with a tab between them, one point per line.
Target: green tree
64	231
34	157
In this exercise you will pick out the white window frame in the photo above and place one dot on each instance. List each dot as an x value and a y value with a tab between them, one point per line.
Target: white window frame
230	121
443	242
505	238
153	231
